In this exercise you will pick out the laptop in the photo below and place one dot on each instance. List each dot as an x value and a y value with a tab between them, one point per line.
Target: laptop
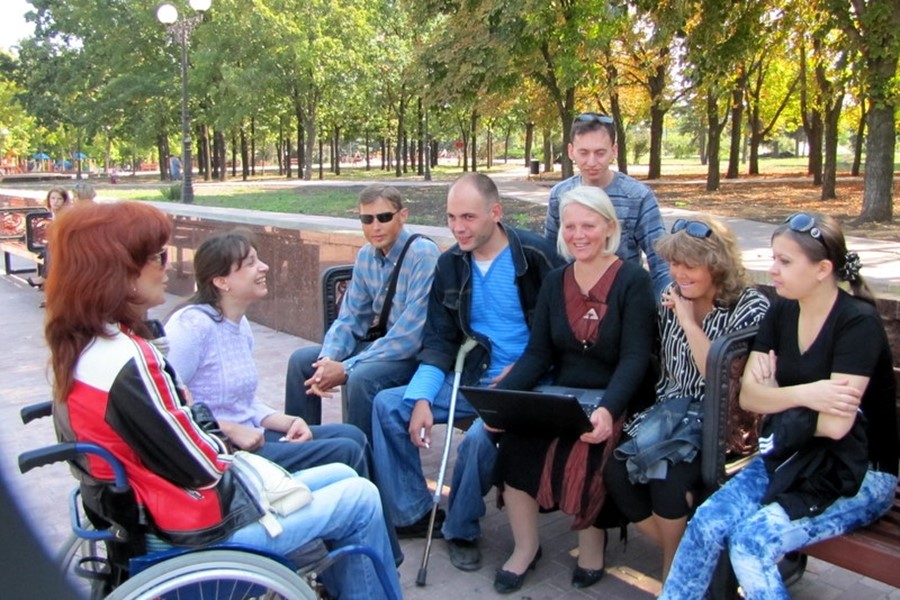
554	411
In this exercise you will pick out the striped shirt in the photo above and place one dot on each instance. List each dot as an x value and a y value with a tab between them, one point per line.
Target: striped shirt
679	375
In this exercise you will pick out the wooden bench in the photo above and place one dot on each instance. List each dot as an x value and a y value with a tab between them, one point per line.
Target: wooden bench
872	551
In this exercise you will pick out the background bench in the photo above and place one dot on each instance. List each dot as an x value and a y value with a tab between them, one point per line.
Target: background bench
25	230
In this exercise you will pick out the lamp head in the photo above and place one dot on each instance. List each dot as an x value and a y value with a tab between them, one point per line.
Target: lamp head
200	5
167	13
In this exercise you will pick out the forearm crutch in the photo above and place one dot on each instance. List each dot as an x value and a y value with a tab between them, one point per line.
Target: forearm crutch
464	349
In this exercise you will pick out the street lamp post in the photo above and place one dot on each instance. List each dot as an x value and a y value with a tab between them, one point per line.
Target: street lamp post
181	31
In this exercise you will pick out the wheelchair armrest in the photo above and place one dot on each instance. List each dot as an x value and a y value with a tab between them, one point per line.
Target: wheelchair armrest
724	367
69	451
35	411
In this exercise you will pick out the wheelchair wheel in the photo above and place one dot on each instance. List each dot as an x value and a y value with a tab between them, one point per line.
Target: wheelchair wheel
220	574
83	563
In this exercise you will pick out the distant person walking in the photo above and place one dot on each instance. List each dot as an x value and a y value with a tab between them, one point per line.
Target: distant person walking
175	168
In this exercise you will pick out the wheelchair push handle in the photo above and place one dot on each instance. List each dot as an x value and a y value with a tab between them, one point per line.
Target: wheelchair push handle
39	410
68	451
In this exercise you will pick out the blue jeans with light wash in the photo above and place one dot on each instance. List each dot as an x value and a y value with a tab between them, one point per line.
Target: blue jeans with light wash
345	510
757	536
406	495
366	379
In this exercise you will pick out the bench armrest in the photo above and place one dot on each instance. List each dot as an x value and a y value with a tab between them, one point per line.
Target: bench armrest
335	281
729	432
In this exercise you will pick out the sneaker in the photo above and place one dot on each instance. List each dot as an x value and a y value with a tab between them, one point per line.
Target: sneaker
464	554
419	529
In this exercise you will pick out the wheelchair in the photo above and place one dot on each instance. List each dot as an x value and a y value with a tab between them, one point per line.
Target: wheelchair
106	557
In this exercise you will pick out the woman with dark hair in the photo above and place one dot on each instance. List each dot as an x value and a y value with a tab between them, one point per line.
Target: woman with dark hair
656	467
821	371
57	199
211	349
112	387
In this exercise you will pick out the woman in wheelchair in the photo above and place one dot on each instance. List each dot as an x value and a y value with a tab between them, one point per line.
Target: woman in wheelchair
112	387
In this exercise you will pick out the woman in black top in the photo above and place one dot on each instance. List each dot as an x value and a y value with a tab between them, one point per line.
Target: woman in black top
821	372
593	328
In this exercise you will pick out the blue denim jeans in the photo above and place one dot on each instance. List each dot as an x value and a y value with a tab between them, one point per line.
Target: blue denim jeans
345	510
406	495
366	379
758	536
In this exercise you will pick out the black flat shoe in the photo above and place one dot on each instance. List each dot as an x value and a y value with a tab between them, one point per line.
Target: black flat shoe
582	578
507	582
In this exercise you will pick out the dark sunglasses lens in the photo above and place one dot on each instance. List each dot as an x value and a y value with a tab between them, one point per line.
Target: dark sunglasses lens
594	117
698	230
367	219
801	222
164	257
386	217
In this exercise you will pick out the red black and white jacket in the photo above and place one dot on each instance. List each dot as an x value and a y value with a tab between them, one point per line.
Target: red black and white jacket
127	399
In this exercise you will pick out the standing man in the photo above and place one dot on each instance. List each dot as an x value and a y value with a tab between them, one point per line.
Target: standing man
592	149
367	367
485	287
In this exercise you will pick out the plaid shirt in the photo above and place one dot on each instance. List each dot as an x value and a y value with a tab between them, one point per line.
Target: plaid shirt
364	300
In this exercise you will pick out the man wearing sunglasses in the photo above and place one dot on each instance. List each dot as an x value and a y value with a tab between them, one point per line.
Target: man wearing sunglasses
592	149
350	354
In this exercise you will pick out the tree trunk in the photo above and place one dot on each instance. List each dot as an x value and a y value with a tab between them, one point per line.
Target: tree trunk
162	153
829	172
420	144
737	122
337	150
615	108
401	109
548	150
529	141
860	138
715	130
474	128
657	85
219	151
878	194
368	159
506	144
321	161
306	143
205	158
253	145
245	156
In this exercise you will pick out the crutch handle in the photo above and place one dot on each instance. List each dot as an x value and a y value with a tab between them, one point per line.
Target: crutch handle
463	351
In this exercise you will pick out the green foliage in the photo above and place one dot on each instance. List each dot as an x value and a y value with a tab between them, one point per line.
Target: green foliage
171	193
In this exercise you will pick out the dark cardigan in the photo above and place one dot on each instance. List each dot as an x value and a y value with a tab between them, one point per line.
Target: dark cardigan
620	359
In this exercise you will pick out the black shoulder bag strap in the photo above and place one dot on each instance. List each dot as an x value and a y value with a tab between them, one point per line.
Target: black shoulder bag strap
378	330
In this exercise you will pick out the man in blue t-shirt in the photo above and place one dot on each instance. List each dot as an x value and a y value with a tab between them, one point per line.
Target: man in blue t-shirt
485	287
592	149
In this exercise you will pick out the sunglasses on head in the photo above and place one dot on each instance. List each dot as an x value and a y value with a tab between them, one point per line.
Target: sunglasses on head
805	223
385	217
697	229
590	117
162	257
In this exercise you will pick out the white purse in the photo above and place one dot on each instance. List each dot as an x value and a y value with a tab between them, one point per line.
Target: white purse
274	488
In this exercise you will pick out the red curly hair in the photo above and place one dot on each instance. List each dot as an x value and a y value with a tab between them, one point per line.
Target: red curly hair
104	247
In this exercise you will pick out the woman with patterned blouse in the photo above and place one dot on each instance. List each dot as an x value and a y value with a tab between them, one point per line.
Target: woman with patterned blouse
658	462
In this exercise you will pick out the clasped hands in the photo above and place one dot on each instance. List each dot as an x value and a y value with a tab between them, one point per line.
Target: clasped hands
329	374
